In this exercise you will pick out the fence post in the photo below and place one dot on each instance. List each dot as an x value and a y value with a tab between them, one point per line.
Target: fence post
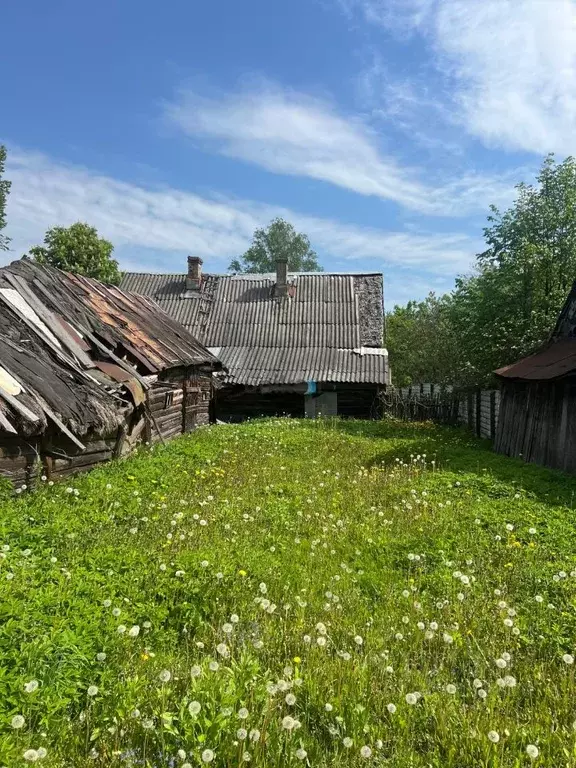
478	413
493	414
470	413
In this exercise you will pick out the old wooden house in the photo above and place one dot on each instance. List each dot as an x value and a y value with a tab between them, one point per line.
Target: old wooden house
87	371
298	344
537	419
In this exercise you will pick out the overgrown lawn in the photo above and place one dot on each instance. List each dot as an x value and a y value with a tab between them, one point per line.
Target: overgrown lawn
286	593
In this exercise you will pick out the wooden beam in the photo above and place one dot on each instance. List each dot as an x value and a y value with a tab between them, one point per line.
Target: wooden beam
19	407
61	426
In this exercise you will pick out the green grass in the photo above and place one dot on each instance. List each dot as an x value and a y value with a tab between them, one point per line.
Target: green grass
329	568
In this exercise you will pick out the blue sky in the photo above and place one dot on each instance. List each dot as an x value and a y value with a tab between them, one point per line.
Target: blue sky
382	128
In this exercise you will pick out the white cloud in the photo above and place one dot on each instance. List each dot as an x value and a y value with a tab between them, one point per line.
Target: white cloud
516	65
154	228
290	133
512	64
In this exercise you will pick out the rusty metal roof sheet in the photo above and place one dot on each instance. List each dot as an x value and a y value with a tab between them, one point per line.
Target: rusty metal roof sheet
261	339
556	360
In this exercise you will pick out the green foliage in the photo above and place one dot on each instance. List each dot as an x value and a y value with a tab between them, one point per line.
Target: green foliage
345	564
279	239
508	307
420	341
4	190
78	249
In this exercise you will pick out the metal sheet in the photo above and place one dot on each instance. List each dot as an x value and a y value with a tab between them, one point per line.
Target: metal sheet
556	360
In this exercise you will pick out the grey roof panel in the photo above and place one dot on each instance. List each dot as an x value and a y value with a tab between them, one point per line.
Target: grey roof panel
311	334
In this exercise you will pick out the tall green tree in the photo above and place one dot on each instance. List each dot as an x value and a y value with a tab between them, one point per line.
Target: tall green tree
4	190
78	249
508	307
420	342
278	239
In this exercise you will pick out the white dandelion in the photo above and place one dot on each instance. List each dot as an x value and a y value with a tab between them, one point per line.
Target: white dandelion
532	751
222	649
17	722
194	707
493	736
365	752
288	723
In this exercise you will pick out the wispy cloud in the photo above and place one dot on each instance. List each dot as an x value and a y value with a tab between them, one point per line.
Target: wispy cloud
512	64
153	228
291	133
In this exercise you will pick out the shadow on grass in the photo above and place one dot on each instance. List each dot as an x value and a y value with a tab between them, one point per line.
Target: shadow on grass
457	450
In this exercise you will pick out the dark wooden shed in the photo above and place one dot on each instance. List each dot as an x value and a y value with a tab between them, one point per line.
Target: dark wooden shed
537	419
87	371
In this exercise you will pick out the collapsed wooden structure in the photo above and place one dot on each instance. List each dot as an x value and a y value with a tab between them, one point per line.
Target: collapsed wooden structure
537	419
88	371
303	344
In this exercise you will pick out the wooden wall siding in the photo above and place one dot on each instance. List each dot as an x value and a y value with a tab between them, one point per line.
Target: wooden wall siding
353	401
237	404
180	405
537	423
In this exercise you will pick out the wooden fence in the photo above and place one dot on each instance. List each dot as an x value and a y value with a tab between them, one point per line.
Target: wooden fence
476	409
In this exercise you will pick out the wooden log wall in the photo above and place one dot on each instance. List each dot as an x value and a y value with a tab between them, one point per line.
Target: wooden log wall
175	405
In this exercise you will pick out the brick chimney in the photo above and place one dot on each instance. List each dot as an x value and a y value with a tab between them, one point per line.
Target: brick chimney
194	276
281	286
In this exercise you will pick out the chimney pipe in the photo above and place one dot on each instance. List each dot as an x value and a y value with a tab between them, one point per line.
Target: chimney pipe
281	287
194	276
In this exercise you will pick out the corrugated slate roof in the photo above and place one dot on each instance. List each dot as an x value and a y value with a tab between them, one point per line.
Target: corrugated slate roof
262	339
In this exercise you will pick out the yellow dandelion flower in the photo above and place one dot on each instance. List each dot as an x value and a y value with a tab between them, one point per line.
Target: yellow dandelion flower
297	660
242	573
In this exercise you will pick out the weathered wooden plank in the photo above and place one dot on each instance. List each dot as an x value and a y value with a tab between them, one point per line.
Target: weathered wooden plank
60	424
6	425
19	407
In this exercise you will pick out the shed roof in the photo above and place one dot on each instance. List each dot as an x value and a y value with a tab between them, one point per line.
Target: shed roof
556	360
320	331
70	345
